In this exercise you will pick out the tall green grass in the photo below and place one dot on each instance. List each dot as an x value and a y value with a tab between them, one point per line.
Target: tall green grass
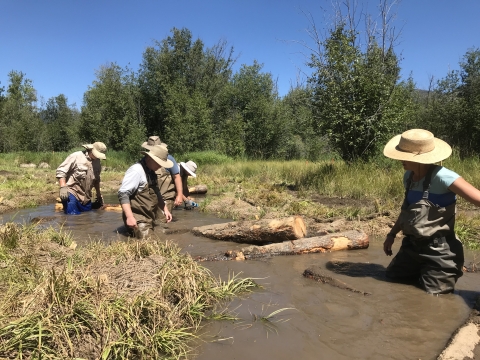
129	300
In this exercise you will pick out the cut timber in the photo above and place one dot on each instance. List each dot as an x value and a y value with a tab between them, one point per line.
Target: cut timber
318	274
106	207
198	189
347	240
255	232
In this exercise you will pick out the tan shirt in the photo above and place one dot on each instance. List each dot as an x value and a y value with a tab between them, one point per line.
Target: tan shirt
81	175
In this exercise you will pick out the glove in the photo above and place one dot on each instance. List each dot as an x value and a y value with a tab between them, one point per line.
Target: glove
189	204
98	203
64	193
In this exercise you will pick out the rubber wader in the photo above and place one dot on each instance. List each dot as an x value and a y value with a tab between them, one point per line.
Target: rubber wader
144	206
430	251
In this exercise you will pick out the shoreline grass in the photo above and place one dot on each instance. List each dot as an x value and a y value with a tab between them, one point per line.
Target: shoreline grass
125	300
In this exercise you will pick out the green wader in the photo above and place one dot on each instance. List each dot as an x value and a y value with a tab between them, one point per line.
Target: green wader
430	251
167	189
144	206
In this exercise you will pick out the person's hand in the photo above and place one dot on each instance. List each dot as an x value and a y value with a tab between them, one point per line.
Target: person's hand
168	214
131	222
64	193
387	244
178	201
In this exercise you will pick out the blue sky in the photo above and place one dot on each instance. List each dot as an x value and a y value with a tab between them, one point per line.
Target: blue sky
59	44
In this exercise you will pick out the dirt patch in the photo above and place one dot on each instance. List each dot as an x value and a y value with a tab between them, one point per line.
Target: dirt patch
337	202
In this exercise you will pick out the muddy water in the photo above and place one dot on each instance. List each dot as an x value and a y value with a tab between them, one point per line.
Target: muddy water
316	321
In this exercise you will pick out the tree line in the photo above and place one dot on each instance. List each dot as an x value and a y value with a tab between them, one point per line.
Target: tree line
188	94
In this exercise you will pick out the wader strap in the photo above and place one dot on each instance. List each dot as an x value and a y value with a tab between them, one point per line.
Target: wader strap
426	182
426	186
151	176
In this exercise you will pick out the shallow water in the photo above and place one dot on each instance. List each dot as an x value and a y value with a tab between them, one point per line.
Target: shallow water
324	322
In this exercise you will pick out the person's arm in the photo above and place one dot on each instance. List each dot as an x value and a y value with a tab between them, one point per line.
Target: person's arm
390	239
130	184
130	219
466	190
179	188
62	173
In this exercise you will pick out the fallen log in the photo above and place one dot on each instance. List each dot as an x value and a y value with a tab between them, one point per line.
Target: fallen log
255	232
106	207
198	189
316	273
347	240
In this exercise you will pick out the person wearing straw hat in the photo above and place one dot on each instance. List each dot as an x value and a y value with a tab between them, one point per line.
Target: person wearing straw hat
139	194
169	181
187	169
430	252
77	175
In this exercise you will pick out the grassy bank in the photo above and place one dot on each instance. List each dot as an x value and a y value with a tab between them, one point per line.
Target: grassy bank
320	190
124	301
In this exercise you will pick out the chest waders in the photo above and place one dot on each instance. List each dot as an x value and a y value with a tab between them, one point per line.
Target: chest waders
166	185
430	251
144	205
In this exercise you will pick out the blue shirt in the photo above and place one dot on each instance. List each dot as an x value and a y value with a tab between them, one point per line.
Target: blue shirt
439	194
174	169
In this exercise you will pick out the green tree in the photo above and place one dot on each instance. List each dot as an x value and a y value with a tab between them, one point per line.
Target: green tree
112	111
182	84
358	100
452	111
62	123
20	124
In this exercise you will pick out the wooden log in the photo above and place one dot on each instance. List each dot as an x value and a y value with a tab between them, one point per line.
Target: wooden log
255	232
198	189
106	207
347	240
318	274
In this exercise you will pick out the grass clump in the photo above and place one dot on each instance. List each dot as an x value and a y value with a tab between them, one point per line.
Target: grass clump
127	300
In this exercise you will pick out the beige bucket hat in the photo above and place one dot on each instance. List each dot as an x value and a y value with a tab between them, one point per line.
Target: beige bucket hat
190	167
152	141
98	149
417	145
159	154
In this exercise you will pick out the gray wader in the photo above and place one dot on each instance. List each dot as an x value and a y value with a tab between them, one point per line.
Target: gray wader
167	189
144	206
430	251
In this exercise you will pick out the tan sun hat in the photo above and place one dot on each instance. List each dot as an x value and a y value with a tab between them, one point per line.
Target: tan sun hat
159	154
191	167
152	141
417	145
98	149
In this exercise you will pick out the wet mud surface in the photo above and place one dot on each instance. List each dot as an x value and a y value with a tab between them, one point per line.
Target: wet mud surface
292	316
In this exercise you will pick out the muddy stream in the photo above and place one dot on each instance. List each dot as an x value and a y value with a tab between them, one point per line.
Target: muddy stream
315	320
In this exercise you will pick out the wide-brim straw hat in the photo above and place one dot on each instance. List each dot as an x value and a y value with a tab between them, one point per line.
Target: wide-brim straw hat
98	149
417	145
159	154
152	141
190	167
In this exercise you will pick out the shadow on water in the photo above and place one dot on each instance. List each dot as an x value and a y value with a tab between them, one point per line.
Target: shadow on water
310	320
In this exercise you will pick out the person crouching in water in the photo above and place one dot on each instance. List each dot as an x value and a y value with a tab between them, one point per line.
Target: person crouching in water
77	175
187	169
139	195
430	251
